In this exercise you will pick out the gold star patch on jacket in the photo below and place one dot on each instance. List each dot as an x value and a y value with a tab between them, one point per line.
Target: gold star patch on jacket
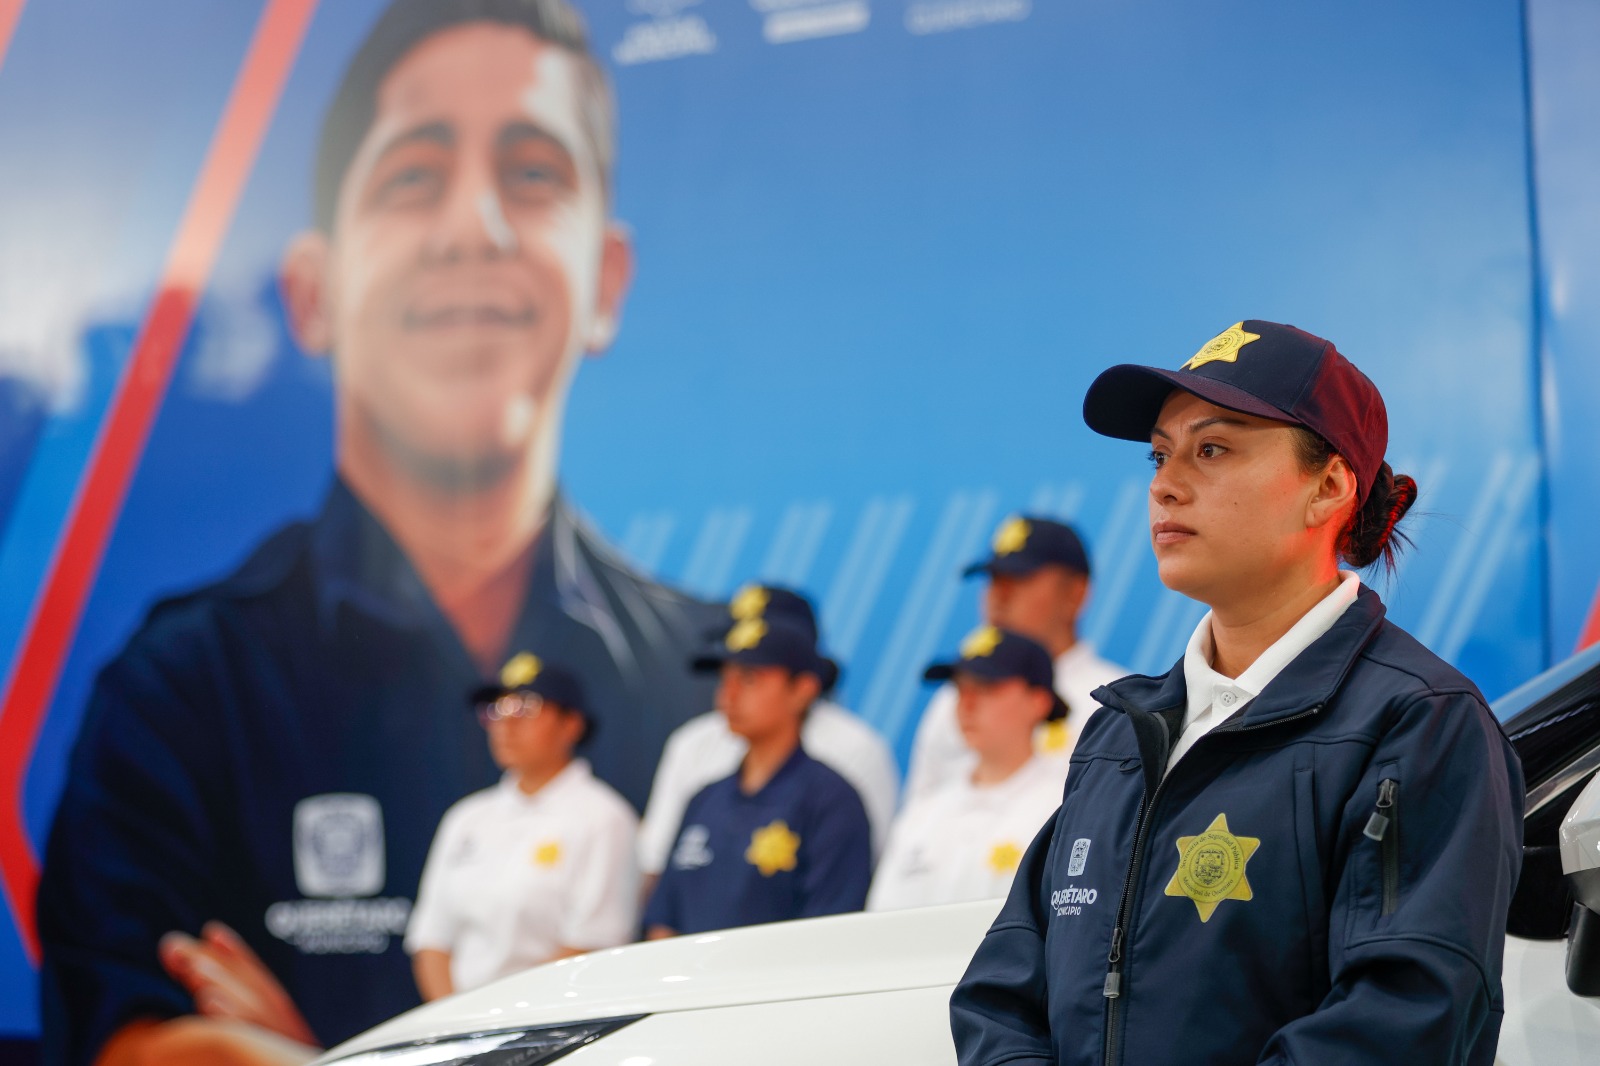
1211	867
547	854
773	848
1051	738
1005	857
1223	348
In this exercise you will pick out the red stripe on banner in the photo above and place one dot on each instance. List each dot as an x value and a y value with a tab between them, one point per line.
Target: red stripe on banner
100	495
10	12
1591	628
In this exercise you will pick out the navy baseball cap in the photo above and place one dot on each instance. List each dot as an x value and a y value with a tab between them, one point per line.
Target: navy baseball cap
759	600
997	654
527	674
1024	543
765	642
1259	368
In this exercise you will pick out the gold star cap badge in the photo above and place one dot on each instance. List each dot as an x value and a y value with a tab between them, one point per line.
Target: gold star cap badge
520	670
1211	867
980	642
750	602
746	634
1223	348
774	848
1012	536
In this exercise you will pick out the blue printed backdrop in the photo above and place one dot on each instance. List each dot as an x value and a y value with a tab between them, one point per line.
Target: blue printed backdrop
883	247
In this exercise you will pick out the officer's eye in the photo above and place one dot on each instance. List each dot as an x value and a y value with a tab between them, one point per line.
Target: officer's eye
1157	458
1211	451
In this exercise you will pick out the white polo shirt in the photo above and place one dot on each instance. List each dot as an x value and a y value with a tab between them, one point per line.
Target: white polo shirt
1213	698
964	841
939	755
513	878
703	750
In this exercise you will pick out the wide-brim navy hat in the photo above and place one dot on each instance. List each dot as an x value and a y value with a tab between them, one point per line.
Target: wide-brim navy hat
526	674
767	642
1024	543
998	654
1257	368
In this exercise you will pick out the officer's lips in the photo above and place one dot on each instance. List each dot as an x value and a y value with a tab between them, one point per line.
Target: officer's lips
468	316
1170	533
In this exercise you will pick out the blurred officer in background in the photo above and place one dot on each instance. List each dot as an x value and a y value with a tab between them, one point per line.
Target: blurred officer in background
1038	572
704	749
784	836
964	840
536	868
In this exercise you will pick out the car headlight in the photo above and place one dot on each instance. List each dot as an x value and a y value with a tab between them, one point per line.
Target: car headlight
508	1047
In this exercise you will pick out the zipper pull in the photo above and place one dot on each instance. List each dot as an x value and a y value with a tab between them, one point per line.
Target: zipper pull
1113	986
1378	824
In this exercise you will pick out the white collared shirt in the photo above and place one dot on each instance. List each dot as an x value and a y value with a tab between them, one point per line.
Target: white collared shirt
511	878
964	841
939	755
704	749
1213	699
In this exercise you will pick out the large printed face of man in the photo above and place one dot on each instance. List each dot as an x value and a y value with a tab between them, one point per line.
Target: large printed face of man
471	263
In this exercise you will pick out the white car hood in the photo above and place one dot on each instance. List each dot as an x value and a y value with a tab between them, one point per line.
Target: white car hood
850	954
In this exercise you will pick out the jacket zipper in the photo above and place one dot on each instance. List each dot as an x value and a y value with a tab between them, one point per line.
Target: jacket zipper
1112	989
1384	827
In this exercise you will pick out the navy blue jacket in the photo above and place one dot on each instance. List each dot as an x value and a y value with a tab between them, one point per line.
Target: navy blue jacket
1250	907
276	751
798	848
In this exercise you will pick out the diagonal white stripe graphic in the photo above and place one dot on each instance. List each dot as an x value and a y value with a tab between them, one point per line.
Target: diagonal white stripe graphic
926	610
1446	592
1119	549
808	542
1487	562
1169	607
856	587
782	547
719	571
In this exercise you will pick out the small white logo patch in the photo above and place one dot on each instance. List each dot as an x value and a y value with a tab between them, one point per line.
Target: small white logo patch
338	845
692	852
1079	858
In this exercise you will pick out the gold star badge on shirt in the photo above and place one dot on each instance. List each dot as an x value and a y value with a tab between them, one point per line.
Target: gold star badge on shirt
750	602
1012	536
520	669
1005	857
547	854
1211	867
746	634
773	848
1223	348
980	642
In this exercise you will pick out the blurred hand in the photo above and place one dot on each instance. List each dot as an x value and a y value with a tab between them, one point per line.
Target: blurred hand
196	1041
230	982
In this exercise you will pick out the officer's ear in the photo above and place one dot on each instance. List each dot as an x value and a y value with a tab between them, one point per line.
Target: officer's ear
810	686
303	282
616	273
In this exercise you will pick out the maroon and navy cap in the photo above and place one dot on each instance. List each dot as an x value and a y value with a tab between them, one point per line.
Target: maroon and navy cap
1258	368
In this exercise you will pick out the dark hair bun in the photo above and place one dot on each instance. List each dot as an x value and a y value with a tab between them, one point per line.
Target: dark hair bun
1371	535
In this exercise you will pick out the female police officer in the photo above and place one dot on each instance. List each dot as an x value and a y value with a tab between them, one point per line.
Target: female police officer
1299	844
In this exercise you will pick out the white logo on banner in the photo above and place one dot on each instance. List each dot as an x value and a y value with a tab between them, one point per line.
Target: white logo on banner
338	845
942	16
802	20
1079	857
670	34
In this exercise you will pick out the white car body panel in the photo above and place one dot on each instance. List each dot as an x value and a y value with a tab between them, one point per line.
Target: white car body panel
826	959
1545	1025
